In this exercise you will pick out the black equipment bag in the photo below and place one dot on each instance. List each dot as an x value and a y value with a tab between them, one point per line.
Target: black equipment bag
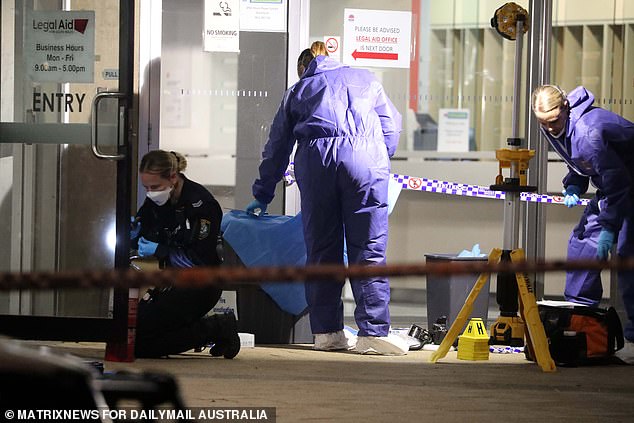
580	335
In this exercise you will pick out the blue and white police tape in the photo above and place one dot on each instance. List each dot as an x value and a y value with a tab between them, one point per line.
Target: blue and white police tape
452	188
501	349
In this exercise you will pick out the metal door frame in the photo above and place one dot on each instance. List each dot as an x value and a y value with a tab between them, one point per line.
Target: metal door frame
112	330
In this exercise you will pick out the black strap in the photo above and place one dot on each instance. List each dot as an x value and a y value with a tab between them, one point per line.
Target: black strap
220	249
592	208
615	330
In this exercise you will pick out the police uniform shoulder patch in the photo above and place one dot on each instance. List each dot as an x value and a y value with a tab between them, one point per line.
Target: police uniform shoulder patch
197	204
205	227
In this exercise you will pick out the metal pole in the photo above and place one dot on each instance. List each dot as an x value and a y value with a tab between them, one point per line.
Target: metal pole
512	198
538	74
519	44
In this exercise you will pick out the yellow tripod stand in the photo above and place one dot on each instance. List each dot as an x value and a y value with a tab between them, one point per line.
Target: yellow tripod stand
535	336
510	21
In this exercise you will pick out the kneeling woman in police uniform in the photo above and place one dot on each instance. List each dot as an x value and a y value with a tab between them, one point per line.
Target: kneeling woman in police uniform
179	224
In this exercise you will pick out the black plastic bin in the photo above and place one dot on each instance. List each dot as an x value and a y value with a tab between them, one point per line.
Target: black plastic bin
446	294
260	315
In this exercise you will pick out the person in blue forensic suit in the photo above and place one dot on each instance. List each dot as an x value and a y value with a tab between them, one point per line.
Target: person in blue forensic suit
346	130
179	224
598	147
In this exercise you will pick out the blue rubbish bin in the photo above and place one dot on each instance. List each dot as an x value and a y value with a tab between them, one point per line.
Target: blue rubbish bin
446	294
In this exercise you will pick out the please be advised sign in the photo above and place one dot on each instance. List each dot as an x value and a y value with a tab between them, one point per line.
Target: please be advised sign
378	38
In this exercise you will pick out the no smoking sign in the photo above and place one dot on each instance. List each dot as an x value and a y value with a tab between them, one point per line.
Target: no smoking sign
333	44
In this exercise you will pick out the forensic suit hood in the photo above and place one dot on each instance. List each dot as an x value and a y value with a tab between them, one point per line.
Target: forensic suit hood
599	147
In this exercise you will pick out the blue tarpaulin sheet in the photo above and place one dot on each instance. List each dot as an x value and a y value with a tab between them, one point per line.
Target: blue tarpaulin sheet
270	241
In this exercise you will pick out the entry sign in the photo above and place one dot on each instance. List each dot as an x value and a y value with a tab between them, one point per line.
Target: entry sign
60	46
453	130
221	31
378	38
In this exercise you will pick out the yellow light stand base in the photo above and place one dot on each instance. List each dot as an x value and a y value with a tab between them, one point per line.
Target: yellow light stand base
473	344
508	331
536	336
520	157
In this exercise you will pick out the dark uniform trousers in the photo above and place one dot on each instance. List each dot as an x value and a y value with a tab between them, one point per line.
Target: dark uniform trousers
174	320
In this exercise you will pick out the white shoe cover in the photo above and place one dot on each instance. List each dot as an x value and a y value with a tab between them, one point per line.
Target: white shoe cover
383	345
334	341
626	354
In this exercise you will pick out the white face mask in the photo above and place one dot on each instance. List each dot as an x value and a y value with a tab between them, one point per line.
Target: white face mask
160	197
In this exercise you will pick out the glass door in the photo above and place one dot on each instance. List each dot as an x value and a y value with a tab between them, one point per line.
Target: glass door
217	104
64	160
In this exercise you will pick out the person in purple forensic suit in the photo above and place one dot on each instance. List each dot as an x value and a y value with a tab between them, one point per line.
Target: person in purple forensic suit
598	147
346	129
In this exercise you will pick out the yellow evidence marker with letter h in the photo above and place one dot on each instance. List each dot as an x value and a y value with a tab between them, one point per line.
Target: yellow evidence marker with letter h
473	344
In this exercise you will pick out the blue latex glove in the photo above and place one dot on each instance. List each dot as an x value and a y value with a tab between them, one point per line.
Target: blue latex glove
571	195
606	240
135	227
256	208
147	248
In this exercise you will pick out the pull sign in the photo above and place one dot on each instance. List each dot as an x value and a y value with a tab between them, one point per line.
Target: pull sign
110	74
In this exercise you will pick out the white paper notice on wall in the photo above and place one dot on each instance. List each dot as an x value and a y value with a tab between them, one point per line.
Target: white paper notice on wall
60	46
453	130
377	38
222	26
263	15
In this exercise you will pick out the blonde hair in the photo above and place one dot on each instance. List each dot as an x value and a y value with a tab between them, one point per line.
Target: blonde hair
548	98
317	48
163	163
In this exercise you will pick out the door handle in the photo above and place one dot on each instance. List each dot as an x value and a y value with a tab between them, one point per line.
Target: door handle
95	119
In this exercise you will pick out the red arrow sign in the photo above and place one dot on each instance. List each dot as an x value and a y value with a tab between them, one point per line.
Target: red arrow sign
377	56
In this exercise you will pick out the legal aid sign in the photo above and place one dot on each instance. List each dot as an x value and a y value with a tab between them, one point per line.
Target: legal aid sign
377	38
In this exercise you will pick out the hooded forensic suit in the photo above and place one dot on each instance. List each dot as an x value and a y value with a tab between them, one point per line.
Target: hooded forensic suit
598	147
346	129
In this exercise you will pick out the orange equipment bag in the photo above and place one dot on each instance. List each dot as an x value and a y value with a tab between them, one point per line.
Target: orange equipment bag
579	335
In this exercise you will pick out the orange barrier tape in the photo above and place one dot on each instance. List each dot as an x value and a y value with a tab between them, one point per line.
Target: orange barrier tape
224	276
